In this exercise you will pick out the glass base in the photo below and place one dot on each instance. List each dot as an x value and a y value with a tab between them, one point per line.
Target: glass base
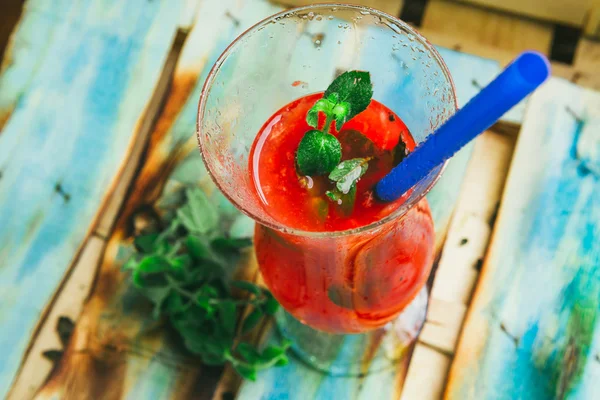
356	354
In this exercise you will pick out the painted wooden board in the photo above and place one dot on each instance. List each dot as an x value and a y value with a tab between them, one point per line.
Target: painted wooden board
533	331
458	268
392	7
113	340
80	76
296	380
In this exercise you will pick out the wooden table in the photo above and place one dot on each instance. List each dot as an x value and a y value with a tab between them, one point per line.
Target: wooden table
97	111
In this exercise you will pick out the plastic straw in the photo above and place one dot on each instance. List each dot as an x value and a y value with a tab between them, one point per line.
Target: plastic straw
518	80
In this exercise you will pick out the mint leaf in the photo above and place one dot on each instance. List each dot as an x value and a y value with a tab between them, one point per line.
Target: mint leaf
283	361
227	316
145	243
271	306
182	271
249	353
345	202
197	248
153	264
341	111
198	215
246	372
318	153
228	245
322	105
252	320
354	88
250	287
348	172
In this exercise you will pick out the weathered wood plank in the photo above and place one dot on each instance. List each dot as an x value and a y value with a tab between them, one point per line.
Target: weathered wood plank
71	296
392	7
114	340
284	382
569	12
36	367
458	268
78	81
532	331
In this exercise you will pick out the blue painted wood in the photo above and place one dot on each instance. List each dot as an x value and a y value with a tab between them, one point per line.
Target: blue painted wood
81	75
155	368
533	330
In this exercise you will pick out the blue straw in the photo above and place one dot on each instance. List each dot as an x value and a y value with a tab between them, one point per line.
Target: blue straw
519	79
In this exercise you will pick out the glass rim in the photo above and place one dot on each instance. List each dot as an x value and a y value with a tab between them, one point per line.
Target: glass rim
402	208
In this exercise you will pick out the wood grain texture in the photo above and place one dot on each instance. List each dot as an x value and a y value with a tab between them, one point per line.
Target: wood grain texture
458	268
532	331
502	31
569	12
117	350
391	7
69	304
297	380
491	35
79	79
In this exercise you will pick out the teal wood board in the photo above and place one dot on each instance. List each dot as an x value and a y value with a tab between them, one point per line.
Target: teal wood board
533	330
80	75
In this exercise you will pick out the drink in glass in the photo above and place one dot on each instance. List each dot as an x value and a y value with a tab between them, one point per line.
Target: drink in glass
336	270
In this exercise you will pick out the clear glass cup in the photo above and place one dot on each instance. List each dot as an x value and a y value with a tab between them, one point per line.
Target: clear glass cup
343	289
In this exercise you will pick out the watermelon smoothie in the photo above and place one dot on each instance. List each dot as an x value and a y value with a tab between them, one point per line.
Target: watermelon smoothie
346	283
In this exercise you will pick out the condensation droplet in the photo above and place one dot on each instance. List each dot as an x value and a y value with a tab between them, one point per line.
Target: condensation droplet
311	15
319	18
330	17
339	201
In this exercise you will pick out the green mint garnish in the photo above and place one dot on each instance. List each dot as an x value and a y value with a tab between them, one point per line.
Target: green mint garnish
348	95
348	172
345	202
318	153
345	176
184	271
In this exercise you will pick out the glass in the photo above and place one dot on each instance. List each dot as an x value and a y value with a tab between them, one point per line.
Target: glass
370	279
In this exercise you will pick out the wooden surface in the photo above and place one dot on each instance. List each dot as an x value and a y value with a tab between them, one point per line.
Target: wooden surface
532	331
506	32
568	12
141	80
459	266
72	95
391	7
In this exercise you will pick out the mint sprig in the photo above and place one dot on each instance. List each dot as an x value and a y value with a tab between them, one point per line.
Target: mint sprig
345	176
184	271
348	172
318	153
347	96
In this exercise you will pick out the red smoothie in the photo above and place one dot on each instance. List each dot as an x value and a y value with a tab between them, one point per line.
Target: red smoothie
340	283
